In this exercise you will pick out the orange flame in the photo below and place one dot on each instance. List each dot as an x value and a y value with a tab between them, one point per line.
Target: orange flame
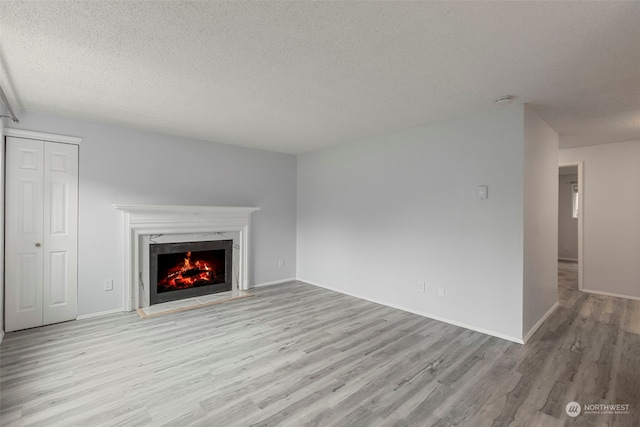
186	275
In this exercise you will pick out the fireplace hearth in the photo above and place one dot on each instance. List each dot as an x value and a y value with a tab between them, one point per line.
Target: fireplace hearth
189	269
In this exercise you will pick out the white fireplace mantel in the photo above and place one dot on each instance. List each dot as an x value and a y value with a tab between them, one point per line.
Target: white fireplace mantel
145	220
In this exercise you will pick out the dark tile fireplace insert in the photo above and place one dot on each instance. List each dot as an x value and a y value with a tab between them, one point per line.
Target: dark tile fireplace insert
189	269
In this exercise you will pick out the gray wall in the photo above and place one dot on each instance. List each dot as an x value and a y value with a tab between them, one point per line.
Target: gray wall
119	165
567	224
377	216
611	225
540	220
374	217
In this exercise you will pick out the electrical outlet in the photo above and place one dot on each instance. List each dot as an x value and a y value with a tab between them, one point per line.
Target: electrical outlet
107	285
441	291
281	263
422	286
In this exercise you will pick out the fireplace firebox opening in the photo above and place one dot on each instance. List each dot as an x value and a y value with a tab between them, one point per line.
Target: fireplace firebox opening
189	269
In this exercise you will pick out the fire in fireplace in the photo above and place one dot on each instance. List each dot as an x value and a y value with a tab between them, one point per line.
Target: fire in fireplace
185	270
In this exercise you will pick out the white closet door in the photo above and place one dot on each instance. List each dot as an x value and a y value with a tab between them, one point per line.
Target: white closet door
23	234
60	232
41	233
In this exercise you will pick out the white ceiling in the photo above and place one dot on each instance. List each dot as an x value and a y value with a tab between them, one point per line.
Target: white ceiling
296	76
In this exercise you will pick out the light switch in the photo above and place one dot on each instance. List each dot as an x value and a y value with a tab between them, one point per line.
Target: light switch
482	192
107	285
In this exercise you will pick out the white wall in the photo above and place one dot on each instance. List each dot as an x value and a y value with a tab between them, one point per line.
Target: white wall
567	224
119	165
377	216
540	220
611	217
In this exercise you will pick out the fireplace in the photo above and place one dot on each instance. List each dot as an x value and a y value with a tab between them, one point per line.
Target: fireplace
142	221
189	269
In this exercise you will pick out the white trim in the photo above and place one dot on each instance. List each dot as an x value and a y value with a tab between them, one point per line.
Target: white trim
567	259
42	136
1	336
144	220
275	282
581	192
423	314
233	210
610	294
99	313
540	322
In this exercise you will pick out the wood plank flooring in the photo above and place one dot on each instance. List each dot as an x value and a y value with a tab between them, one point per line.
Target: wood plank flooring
299	355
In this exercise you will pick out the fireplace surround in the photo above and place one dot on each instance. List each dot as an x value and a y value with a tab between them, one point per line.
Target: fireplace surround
142	224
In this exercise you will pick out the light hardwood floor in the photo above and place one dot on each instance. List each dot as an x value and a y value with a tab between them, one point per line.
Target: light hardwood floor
298	355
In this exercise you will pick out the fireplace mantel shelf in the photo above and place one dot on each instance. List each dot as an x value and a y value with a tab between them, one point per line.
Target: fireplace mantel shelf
141	220
184	209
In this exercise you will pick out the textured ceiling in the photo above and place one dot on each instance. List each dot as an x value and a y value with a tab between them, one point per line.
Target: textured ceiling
296	76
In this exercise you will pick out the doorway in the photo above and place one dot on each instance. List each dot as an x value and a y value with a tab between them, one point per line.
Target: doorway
570	224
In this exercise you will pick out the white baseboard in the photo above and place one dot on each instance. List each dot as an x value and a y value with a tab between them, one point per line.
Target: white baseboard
423	314
610	294
100	313
275	282
567	259
540	322
1	336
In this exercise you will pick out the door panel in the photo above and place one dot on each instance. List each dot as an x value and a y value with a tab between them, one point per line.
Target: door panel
59	205
60	232
23	230
28	296
58	278
30	195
